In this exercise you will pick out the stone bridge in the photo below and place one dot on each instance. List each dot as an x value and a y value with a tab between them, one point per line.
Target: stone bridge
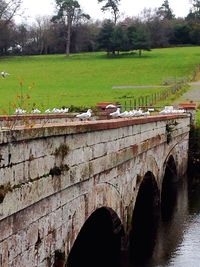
76	191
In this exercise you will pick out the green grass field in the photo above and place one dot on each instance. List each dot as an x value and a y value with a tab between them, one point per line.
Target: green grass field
85	79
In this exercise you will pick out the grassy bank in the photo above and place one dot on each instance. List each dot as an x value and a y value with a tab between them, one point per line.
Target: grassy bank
85	79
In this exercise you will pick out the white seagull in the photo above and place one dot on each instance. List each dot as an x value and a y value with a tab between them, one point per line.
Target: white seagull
124	114
85	115
116	113
147	113
48	111
64	110
110	106
151	109
35	111
4	74
20	111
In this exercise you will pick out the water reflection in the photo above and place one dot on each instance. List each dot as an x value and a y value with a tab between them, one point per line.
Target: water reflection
144	222
177	238
171	225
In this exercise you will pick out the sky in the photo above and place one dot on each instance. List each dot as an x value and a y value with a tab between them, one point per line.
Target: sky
33	8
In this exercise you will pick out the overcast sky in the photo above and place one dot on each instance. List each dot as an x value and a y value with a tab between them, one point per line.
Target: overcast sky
34	8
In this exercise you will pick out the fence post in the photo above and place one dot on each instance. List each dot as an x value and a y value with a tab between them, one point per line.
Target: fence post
135	103
130	104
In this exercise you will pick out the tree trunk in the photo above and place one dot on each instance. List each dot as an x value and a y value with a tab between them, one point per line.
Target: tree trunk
115	17
68	38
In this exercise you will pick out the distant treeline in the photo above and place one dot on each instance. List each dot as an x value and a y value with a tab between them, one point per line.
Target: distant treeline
152	29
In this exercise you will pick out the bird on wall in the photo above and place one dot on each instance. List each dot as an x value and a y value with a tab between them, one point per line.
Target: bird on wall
20	111
116	113
110	106
34	111
85	115
125	114
4	74
48	111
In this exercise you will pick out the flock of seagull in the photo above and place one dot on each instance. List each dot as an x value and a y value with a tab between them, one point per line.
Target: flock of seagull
132	113
171	110
37	111
116	114
128	114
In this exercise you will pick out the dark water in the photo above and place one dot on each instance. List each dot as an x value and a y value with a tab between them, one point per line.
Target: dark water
171	238
177	241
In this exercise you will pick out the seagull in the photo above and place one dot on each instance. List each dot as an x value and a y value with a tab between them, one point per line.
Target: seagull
56	110
20	111
116	113
167	110
64	110
124	114
34	111
138	113
151	109
85	115
4	74
131	113
147	113
110	106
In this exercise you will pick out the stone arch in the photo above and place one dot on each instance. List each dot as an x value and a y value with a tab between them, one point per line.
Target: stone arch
170	168
99	241
149	163
169	188
144	219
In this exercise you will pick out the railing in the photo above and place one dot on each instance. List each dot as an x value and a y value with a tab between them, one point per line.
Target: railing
151	100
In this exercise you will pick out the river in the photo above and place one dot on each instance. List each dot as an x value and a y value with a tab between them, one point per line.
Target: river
177	240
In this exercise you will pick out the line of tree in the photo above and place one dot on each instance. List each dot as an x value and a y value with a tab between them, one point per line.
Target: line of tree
71	30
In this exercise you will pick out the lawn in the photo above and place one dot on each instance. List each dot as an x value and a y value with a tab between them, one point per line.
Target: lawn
85	79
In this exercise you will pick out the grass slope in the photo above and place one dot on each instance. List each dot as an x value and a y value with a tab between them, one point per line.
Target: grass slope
85	79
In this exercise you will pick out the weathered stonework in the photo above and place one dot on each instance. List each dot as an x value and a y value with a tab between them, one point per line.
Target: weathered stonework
59	174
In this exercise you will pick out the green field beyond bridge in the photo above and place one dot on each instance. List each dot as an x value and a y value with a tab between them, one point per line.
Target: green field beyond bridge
85	79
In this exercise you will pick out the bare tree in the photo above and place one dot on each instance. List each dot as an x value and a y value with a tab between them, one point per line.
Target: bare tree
43	29
8	9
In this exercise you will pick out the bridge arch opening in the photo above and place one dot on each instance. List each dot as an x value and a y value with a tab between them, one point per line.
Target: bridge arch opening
99	241
144	221
169	189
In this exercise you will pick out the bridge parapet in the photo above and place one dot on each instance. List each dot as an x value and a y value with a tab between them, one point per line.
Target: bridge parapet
53	177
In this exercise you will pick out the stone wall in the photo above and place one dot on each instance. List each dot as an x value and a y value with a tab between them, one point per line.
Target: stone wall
52	178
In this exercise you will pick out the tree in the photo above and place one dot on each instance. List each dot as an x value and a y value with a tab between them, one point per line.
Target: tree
111	5
8	9
105	36
165	12
44	33
194	13
5	32
84	37
196	6
68	11
159	30
195	34
120	39
139	39
181	33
